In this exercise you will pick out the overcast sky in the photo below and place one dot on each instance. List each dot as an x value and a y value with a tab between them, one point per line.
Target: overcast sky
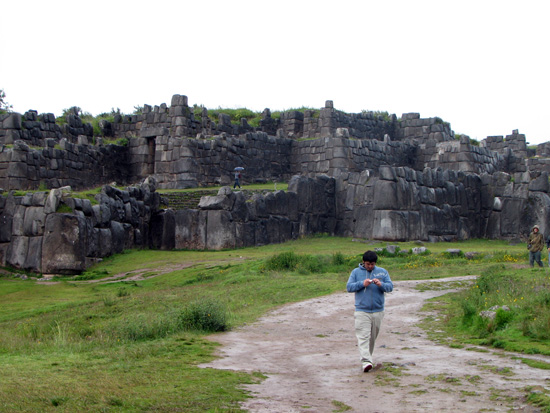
482	65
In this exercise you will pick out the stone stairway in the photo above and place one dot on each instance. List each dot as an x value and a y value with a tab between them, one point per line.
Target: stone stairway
190	200
185	200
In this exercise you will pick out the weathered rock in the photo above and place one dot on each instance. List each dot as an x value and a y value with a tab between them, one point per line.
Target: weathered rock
190	229
64	244
33	223
220	229
391	249
419	250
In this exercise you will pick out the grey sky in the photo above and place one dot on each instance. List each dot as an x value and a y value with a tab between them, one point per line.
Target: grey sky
481	65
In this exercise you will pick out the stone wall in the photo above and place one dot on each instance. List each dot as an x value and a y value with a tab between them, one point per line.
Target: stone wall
459	155
179	120
392	204
365	125
61	163
411	126
333	156
36	237
34	129
186	149
185	163
401	204
513	149
228	220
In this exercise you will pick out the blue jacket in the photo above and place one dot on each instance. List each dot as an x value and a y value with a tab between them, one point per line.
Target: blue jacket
369	299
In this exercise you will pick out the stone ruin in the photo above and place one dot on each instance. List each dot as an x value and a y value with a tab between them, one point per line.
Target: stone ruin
355	175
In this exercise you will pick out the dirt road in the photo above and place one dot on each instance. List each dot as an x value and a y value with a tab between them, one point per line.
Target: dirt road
309	354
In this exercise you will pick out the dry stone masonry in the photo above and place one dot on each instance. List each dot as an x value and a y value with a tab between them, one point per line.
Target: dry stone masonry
365	175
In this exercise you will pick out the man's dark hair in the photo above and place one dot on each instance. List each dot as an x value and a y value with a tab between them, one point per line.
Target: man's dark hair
370	256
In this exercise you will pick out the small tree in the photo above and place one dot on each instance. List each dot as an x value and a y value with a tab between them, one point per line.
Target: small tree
4	106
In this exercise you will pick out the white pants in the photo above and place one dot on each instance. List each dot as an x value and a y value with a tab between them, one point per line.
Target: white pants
367	327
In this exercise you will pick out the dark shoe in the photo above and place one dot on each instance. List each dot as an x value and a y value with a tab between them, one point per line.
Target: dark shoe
367	368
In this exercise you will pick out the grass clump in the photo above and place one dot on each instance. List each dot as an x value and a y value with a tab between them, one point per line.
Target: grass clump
284	261
309	264
206	315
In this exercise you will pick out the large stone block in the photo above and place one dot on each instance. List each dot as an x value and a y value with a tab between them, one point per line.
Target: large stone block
163	230
12	121
3	253
276	203
6	221
245	234
190	229
34	221
17	170
118	234
18	227
64	244
390	225
540	183
362	221
105	242
220	230
387	173
224	200
183	165
33	261
385	195
240	209
179	100
17	251
92	243
153	132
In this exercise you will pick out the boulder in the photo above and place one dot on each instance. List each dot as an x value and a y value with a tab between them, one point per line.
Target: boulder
224	200
419	250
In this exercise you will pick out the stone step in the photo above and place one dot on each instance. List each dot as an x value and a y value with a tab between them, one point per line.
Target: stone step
190	200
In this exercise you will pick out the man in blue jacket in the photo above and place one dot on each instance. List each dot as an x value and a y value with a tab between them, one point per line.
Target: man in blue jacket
369	283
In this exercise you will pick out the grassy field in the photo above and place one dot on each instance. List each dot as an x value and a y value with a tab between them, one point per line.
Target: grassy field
133	343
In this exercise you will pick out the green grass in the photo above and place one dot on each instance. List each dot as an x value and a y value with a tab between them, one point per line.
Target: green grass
521	300
76	345
269	186
253	118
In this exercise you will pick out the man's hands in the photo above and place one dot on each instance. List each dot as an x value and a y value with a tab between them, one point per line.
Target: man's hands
374	281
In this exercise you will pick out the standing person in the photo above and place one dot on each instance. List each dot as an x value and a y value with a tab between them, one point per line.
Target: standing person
369	283
535	245
237	179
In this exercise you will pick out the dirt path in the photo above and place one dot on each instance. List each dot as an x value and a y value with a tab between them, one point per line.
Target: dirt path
309	354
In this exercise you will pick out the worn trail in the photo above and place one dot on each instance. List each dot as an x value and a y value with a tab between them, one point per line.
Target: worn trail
308	352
